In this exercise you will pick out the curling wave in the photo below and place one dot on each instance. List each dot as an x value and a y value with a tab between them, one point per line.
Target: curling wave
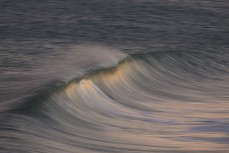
154	102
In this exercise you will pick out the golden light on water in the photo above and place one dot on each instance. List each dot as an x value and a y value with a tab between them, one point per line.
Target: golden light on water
174	126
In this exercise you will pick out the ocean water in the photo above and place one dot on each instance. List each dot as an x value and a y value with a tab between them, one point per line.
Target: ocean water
117	76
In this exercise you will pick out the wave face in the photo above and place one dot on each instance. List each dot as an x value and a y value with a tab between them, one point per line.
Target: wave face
151	102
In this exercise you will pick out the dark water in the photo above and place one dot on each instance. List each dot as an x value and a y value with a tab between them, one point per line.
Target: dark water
114	76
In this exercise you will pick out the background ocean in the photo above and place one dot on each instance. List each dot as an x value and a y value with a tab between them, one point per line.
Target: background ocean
131	76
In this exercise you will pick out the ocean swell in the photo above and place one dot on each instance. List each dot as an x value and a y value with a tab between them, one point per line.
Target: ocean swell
154	102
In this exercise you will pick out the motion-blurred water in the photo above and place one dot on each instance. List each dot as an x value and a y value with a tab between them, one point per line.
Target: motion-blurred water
114	76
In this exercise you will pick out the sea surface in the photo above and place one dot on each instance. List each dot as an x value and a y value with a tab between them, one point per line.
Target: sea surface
114	76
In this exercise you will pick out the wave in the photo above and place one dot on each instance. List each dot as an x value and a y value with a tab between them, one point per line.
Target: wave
154	102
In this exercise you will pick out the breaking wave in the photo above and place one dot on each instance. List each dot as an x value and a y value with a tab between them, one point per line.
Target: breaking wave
152	102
